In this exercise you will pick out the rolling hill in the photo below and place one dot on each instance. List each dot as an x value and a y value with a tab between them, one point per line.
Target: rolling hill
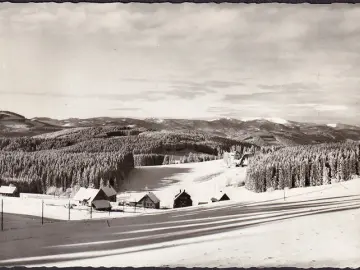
256	131
15	125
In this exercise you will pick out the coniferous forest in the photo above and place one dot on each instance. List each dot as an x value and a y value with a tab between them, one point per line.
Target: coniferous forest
36	172
99	156
303	166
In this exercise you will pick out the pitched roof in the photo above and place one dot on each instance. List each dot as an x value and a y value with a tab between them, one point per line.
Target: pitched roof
181	192
152	197
101	204
219	195
139	196
86	194
7	189
109	191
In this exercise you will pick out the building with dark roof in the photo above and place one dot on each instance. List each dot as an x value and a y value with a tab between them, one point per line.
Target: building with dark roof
182	199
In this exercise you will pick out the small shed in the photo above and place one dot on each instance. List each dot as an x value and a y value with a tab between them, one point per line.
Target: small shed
9	191
110	193
103	205
182	199
149	200
86	196
221	196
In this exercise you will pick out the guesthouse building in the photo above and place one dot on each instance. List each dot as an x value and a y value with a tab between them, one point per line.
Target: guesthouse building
92	197
149	200
182	199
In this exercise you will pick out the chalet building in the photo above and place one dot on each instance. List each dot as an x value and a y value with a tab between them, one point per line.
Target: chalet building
93	198
145	200
9	191
110	193
221	196
182	199
149	200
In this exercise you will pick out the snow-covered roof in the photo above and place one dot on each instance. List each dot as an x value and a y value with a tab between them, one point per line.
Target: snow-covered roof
7	189
153	197
109	191
139	196
101	204
87	194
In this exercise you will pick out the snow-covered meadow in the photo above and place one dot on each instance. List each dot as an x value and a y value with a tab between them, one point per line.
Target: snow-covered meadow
201	180
304	227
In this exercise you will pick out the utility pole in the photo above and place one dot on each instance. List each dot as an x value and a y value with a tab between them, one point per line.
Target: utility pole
2	214
42	212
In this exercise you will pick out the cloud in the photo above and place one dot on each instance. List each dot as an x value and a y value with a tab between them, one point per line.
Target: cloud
145	96
245	60
331	108
126	109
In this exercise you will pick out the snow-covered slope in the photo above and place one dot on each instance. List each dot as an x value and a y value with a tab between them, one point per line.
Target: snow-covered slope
273	119
201	180
308	228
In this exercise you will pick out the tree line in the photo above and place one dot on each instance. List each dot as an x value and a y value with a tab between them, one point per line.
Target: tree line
303	166
143	143
163	159
36	172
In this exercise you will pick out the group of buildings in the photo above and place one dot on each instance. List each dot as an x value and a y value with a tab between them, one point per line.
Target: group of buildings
100	199
182	199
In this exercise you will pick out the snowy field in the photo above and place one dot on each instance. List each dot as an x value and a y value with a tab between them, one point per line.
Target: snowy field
56	209
201	180
310	227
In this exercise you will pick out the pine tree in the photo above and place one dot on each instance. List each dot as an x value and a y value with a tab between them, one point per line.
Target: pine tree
102	183
341	169
166	160
319	172
326	178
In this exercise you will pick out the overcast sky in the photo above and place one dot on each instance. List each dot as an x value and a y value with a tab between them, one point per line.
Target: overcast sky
297	62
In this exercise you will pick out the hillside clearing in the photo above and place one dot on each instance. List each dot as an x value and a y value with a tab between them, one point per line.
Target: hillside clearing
314	227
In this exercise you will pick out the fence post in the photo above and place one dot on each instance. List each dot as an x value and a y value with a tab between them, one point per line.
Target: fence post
69	210
42	212
2	214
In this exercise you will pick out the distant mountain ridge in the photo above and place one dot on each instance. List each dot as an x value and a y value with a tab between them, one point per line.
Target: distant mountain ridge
271	131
